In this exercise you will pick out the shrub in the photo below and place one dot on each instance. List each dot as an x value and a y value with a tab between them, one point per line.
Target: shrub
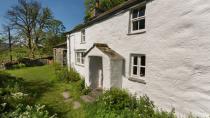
117	99
82	88
117	103
65	74
31	62
22	111
17	66
86	91
74	75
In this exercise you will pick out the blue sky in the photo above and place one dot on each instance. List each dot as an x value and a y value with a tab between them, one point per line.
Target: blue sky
70	12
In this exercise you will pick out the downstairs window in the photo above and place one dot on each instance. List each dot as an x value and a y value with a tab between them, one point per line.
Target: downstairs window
138	65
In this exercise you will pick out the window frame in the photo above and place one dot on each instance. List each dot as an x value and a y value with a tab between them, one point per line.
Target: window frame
79	55
139	65
131	19
83	36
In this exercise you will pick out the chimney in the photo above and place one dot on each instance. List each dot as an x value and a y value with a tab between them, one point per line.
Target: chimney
96	11
97	3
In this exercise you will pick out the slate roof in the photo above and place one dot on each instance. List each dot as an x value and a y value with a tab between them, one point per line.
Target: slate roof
107	14
106	50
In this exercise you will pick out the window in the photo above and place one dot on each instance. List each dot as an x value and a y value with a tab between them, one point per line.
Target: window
80	59
137	19
83	36
138	65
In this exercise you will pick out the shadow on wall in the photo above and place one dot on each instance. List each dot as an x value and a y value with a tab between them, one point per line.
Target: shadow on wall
123	68
147	1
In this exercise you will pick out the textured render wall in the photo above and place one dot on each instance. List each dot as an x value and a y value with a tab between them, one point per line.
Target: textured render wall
177	48
116	73
74	43
176	44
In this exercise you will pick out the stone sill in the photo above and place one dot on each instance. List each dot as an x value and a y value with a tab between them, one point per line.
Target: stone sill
80	65
137	32
137	80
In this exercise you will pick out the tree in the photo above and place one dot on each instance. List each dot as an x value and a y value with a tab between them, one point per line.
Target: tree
54	36
104	5
30	20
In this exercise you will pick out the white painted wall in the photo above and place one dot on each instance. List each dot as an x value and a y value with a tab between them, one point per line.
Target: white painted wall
106	68
177	49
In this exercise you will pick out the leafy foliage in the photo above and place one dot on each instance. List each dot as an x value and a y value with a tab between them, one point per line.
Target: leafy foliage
22	111
104	6
14	101
33	23
117	103
65	74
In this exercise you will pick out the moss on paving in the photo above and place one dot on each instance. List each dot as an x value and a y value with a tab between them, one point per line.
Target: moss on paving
42	84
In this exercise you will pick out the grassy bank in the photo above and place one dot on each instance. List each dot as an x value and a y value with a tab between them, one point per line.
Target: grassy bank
41	82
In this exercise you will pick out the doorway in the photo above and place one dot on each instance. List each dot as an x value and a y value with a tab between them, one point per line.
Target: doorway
96	72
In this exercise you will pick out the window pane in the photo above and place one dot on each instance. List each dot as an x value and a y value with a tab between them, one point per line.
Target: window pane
135	25
83	36
135	13
142	71
77	57
141	24
135	60
143	60
83	39
83	61
83	58
134	70
141	12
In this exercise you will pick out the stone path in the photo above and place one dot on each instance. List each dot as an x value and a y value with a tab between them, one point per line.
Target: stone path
91	97
66	95
76	104
87	98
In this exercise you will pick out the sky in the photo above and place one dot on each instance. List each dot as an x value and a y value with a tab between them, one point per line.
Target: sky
70	12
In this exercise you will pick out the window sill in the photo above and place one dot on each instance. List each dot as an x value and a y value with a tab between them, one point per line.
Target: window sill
137	32
137	80
80	65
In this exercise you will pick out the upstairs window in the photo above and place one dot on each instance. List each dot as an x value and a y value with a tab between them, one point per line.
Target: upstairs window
80	59
138	65
83	36
137	19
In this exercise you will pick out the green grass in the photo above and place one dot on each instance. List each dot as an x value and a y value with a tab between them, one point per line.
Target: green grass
42	84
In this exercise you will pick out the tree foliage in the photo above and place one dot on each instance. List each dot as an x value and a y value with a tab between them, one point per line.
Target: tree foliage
104	5
33	22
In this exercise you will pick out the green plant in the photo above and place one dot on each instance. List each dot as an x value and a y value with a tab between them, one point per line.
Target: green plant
116	103
74	75
17	66
22	111
116	99
65	74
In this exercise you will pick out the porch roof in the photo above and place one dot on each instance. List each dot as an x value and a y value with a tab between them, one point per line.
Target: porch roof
106	50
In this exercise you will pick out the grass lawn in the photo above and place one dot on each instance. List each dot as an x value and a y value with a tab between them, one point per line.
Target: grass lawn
42	84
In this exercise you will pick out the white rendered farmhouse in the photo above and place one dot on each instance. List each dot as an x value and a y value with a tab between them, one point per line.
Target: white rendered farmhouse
160	48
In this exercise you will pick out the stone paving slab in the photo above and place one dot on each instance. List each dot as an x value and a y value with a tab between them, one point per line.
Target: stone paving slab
66	95
87	98
76	104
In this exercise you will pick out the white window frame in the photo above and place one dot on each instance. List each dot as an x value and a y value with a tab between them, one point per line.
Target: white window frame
136	19
139	56
79	58
83	36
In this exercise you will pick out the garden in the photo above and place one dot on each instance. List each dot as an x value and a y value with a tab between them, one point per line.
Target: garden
51	91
